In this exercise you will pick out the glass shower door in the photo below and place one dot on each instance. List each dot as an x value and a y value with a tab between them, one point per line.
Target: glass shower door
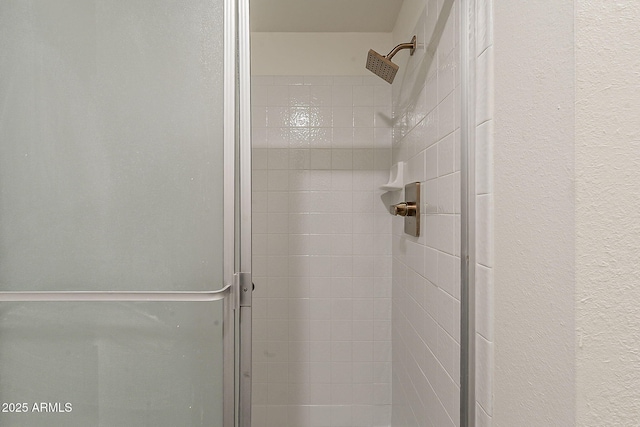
116	234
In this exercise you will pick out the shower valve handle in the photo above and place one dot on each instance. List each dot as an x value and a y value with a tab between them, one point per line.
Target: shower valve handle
404	209
410	209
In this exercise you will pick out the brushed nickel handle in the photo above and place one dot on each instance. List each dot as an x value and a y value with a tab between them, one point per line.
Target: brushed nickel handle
404	209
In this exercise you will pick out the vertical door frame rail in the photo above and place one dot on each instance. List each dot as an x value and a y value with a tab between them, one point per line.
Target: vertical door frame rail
237	288
245	285
467	220
229	165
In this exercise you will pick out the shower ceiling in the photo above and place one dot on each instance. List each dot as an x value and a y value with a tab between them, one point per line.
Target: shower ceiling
360	16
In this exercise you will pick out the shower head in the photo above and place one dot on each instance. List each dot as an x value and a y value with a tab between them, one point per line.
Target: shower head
382	66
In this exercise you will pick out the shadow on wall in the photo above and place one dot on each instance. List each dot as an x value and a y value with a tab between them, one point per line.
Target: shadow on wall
422	72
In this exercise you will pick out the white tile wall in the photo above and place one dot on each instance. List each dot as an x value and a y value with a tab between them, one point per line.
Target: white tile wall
426	270
426	279
321	251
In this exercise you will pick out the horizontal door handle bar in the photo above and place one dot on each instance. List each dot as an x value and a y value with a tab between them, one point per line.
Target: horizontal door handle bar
105	296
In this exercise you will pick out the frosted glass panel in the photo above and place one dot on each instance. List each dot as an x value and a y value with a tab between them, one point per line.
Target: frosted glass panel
111	179
123	365
111	144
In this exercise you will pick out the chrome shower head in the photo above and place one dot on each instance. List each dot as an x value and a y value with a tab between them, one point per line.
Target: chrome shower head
382	66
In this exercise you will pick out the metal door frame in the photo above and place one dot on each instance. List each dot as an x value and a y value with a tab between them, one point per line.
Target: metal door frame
245	284
238	155
467	13
229	222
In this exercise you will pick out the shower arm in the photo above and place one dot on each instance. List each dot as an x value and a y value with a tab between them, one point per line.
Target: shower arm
401	46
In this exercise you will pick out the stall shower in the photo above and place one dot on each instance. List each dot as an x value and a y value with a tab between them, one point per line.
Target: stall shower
322	253
356	322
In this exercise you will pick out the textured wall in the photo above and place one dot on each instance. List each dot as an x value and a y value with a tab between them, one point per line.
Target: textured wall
534	214
608	212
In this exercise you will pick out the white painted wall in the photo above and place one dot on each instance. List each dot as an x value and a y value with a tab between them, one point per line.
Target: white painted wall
608	212
534	378
481	53
408	17
567	222
315	54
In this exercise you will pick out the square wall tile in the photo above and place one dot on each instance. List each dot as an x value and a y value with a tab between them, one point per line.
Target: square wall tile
322	148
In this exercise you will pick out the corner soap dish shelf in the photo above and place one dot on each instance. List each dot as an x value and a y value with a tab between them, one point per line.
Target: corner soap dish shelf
396	178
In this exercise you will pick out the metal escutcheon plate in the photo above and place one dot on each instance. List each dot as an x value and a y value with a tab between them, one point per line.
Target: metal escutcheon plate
412	196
